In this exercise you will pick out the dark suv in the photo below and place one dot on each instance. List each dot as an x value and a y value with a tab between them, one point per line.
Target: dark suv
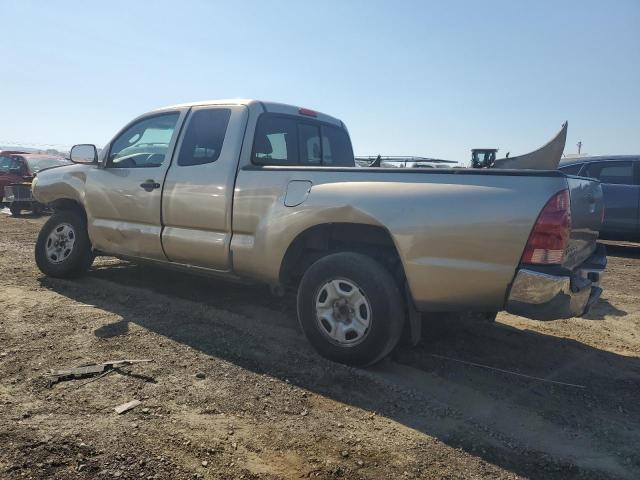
20	168
620	178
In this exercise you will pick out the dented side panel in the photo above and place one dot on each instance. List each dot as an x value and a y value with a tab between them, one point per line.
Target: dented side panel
66	183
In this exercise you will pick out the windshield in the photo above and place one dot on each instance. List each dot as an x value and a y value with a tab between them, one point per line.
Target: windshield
7	163
37	164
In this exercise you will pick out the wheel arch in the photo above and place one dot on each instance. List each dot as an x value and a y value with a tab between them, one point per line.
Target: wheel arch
68	204
319	240
374	241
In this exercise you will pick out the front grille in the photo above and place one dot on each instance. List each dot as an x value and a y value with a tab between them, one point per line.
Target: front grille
18	193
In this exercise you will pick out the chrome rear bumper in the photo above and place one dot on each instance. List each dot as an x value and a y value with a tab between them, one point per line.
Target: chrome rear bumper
540	295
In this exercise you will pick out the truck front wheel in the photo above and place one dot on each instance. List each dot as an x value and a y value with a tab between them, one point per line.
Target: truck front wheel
350	308
63	248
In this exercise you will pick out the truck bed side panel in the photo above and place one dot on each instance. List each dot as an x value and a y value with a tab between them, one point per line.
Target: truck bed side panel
460	237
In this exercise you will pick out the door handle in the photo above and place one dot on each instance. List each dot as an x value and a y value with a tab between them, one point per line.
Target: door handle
150	185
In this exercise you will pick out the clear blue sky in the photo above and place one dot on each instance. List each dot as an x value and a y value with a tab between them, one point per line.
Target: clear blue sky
407	77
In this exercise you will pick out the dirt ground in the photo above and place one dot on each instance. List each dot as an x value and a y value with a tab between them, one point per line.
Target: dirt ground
234	390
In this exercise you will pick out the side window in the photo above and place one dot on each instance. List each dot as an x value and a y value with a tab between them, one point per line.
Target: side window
571	169
336	148
275	141
204	137
144	144
620	173
309	141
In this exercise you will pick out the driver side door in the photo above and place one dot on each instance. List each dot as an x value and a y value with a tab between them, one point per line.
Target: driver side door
123	198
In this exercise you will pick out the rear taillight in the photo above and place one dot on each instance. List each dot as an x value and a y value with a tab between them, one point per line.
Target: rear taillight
550	235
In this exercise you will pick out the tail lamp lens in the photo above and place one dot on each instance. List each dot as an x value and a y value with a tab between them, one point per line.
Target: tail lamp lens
550	235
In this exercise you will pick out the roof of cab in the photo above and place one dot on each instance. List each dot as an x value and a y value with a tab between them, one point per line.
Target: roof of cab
273	107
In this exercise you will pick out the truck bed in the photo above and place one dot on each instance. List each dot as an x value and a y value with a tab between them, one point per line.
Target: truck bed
465	228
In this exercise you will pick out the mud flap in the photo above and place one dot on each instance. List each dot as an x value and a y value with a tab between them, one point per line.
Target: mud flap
413	327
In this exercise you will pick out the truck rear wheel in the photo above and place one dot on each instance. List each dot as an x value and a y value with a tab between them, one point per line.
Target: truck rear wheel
63	248
350	308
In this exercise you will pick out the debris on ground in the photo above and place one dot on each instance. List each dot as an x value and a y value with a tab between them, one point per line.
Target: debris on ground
125	407
89	370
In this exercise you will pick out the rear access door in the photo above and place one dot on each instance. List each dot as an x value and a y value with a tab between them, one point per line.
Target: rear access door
199	187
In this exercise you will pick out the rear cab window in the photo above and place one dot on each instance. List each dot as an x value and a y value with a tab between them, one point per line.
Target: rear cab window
336	147
291	141
275	141
309	144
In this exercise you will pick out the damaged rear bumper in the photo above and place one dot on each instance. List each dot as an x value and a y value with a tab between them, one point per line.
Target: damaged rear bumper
544	295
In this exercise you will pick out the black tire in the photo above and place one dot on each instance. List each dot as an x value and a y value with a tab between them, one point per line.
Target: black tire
78	260
379	288
15	209
37	209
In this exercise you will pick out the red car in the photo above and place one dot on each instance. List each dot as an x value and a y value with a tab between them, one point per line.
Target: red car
22	167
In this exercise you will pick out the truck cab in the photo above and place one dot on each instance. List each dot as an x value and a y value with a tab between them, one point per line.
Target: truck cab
166	196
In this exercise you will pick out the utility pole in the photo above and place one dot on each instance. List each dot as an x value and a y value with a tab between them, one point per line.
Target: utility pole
579	147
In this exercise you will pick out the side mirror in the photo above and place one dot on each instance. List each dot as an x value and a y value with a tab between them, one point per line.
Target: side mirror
84	153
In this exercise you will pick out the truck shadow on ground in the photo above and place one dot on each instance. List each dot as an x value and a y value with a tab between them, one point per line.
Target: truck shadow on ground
602	309
534	428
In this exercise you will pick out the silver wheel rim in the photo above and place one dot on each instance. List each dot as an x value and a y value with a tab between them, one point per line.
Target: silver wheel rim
343	312
60	243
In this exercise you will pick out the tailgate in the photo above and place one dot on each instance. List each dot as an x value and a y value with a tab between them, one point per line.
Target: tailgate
586	219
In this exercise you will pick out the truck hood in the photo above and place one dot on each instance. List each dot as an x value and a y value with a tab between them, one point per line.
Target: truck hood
546	157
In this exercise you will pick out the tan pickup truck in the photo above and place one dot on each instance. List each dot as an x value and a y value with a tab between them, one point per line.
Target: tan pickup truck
269	192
